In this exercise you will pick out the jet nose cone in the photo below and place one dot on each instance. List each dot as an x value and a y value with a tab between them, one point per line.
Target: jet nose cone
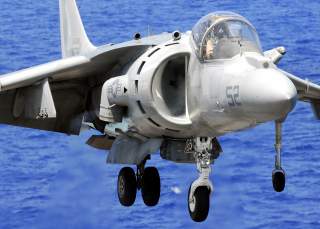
283	93
274	94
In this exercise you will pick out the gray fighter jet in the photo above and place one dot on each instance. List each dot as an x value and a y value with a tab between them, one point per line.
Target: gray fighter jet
173	92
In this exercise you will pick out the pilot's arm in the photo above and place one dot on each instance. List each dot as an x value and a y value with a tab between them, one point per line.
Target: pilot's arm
209	50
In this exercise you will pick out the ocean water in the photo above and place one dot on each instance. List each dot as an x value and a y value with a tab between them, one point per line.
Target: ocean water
50	180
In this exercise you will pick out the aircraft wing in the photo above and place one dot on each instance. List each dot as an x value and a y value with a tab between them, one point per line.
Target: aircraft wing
307	92
55	96
35	74
59	96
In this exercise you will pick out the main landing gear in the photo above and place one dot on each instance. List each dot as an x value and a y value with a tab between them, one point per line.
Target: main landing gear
204	149
278	174
146	179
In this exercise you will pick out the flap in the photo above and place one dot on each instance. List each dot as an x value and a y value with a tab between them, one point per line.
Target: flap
35	102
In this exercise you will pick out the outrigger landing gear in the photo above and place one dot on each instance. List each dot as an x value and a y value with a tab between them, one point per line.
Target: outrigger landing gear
146	179
200	189
278	174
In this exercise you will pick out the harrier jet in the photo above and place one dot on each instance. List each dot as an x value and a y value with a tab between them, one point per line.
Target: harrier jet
173	92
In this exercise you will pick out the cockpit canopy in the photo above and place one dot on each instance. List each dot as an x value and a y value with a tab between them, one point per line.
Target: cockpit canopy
223	35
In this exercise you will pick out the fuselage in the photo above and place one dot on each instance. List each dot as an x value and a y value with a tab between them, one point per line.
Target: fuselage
172	93
208	82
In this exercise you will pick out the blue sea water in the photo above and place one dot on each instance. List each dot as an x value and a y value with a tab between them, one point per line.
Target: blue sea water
50	180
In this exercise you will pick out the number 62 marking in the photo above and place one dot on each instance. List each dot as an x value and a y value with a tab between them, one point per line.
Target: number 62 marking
233	95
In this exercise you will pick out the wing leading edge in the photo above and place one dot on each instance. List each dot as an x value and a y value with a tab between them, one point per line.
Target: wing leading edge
307	92
35	74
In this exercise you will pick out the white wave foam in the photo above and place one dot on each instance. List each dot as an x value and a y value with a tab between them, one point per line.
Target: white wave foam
176	190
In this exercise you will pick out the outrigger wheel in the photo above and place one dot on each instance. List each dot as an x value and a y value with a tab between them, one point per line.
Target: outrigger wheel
278	180
278	174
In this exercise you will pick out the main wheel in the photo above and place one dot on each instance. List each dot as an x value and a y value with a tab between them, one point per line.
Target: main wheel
278	180
150	186
200	203
127	186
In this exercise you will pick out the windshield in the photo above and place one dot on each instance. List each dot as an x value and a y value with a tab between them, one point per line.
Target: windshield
223	37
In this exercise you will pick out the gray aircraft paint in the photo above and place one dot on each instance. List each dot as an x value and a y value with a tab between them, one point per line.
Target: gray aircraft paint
175	92
213	97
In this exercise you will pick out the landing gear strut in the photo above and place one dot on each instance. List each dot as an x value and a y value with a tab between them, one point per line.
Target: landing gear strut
146	179
200	189
278	174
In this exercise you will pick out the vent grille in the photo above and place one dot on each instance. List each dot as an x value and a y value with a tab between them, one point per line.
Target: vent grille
140	68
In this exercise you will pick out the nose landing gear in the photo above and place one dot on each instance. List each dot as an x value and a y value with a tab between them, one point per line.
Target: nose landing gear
278	174
199	203
200	189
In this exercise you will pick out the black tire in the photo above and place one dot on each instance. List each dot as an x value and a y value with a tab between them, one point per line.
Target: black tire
199	212
150	186
127	186
279	180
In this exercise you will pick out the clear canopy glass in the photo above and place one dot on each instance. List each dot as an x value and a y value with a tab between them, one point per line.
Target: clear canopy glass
223	35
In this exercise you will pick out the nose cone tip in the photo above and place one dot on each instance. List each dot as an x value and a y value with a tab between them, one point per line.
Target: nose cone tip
292	98
287	94
276	94
284	95
287	100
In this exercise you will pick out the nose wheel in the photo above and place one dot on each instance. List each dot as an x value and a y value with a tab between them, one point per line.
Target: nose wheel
278	174
199	203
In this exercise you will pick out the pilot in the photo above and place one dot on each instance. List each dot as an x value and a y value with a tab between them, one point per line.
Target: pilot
209	50
219	32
